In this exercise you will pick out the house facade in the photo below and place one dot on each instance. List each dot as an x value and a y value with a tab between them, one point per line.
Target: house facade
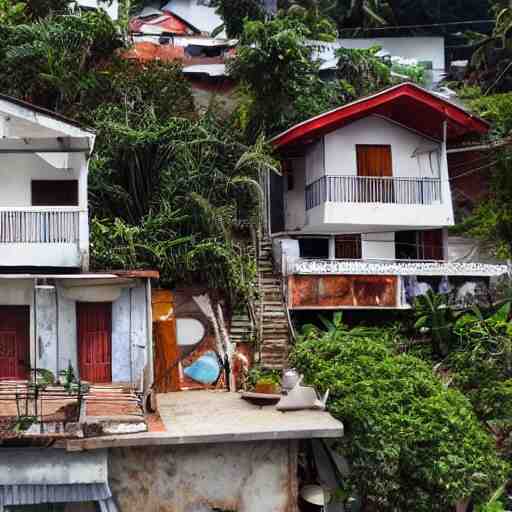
54	313
360	217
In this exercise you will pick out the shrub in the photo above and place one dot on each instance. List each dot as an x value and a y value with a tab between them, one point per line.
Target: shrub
412	443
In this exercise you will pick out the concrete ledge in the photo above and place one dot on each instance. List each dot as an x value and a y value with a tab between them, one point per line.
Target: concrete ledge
208	417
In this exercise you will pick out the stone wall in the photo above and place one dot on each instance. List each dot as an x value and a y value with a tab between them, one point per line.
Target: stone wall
235	477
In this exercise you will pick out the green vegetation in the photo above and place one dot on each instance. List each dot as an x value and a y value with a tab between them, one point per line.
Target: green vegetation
413	442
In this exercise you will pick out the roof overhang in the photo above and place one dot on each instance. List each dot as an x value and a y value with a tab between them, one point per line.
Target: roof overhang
406	104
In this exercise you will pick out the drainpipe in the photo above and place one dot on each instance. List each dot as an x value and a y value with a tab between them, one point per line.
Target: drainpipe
34	317
446	194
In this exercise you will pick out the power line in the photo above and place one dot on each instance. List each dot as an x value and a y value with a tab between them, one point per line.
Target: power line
432	25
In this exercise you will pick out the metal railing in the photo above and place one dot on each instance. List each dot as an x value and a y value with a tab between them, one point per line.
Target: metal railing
370	189
39	225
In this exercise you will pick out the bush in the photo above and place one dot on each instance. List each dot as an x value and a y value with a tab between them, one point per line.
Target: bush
412	443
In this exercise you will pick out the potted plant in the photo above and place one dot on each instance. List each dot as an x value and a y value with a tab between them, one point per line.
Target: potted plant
267	385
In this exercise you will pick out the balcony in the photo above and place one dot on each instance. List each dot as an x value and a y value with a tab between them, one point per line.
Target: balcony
345	203
42	236
369	189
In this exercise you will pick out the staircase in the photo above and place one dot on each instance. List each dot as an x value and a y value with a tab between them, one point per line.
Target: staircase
242	329
274	330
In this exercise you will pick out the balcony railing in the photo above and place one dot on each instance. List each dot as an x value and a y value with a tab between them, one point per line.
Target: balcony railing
39	225
369	189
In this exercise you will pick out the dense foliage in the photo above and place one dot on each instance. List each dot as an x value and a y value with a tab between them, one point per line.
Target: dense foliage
280	83
412	443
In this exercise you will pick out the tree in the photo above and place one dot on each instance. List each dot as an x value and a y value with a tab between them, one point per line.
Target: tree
412	443
279	79
53	62
11	12
236	12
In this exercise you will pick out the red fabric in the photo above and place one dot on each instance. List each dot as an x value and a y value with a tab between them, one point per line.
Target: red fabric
407	104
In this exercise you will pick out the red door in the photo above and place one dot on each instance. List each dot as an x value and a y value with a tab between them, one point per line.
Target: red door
94	324
14	342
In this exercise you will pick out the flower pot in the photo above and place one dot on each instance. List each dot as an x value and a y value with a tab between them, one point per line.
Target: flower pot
266	389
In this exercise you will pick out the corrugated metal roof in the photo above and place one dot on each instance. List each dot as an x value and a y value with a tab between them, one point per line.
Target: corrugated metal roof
11	495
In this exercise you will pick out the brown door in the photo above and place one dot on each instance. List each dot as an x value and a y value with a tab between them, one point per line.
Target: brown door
431	244
94	325
375	162
348	247
14	342
166	354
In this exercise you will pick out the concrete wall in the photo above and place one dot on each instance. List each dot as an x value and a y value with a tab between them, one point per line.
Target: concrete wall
341	156
294	200
255	477
17	171
56	313
423	49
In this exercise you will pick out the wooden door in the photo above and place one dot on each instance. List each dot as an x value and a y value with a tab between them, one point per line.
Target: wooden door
94	326
375	162
14	342
348	247
431	244
166	354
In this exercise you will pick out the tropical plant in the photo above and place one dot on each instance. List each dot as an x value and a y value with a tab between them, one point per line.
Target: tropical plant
434	315
361	71
11	13
52	62
412	443
491	220
279	79
235	12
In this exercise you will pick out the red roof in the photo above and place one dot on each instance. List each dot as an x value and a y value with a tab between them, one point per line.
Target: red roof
406	104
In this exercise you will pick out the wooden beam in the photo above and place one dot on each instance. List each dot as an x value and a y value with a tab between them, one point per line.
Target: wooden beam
46	145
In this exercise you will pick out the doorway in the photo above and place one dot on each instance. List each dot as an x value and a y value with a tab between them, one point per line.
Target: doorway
373	162
94	326
14	342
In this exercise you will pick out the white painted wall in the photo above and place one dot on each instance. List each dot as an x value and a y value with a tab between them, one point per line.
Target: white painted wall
315	161
423	49
294	200
110	6
378	246
341	156
413	155
18	170
198	14
56	313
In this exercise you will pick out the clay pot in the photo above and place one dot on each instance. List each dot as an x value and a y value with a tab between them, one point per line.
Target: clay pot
264	388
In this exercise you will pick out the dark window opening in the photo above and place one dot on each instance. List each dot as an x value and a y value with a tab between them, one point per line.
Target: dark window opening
420	245
314	248
348	247
54	192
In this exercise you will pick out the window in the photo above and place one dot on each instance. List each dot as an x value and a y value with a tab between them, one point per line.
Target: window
420	245
348	247
314	248
54	192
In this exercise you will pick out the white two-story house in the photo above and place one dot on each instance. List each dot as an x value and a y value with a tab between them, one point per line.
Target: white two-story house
359	218
53	311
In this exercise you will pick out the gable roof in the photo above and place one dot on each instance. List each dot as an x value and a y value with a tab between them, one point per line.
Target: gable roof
28	112
406	104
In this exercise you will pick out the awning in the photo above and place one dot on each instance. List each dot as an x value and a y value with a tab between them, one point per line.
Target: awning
35	476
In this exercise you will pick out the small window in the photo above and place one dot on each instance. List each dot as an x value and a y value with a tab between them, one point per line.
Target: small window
54	192
348	247
314	248
290	182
